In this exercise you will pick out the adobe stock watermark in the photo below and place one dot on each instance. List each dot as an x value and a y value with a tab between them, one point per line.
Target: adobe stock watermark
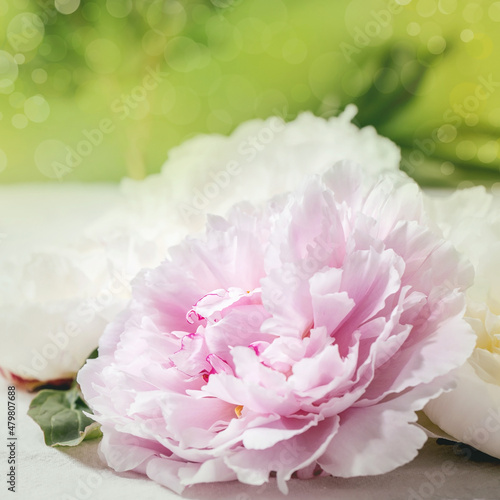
362	37
84	314
289	455
478	435
435	480
86	486
55	159
221	180
25	31
453	118
127	102
475	436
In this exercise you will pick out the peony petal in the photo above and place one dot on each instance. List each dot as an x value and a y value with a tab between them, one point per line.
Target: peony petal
379	438
470	412
285	457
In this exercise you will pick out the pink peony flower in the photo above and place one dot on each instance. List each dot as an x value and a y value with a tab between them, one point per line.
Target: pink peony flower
61	283
298	338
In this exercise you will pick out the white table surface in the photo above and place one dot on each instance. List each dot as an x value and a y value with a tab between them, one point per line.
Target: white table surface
46	473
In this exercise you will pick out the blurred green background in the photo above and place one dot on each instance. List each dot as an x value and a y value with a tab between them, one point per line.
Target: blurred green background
95	90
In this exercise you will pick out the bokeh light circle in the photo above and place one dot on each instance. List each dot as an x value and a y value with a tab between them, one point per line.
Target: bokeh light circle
170	17
466	35
471	119
447	168
25	32
436	44
183	54
39	75
67	6
447	133
19	121
119	8
495	189
481	46
488	152
413	29
447	6
9	70
37	109
466	150
426	8
494	12
91	11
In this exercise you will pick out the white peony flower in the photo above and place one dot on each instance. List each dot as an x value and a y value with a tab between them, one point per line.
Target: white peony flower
58	294
470	413
261	158
54	294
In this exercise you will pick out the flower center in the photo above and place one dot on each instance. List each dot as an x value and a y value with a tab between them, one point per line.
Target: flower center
238	411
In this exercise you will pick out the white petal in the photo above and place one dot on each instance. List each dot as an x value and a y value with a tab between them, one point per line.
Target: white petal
471	412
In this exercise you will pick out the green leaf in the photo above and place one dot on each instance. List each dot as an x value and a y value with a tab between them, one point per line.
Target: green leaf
60	416
93	354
